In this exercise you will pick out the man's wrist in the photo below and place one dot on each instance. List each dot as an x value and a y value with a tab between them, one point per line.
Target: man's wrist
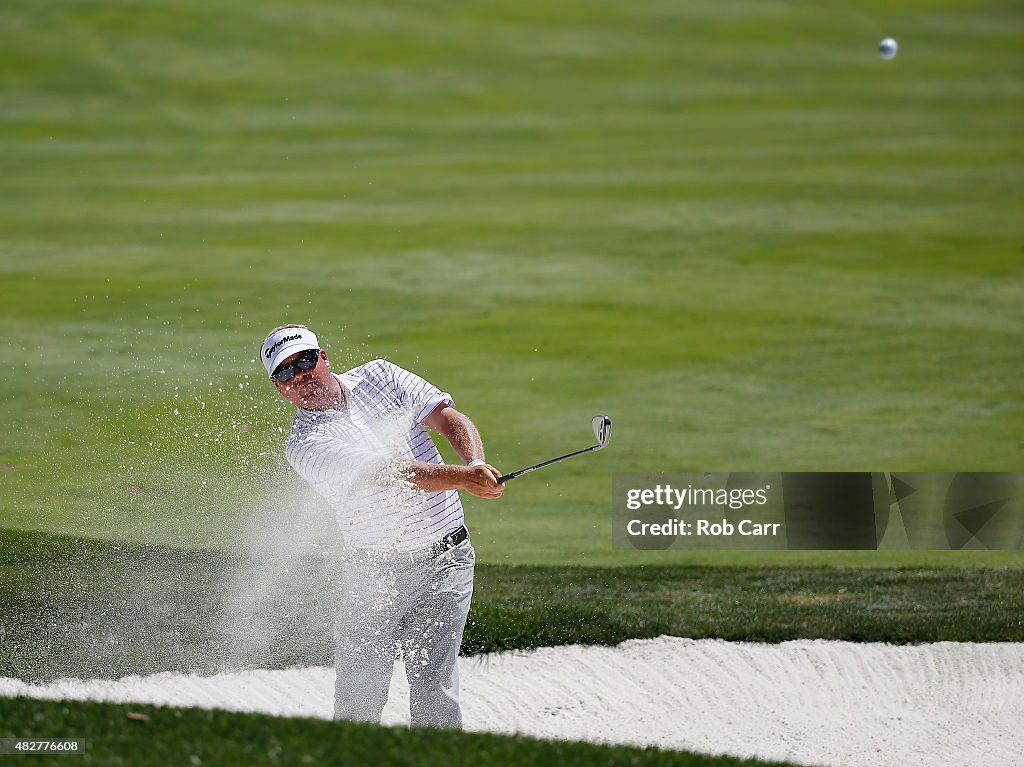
477	462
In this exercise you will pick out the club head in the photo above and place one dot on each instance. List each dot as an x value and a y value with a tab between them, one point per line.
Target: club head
602	430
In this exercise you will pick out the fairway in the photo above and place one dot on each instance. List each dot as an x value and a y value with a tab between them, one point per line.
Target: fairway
730	226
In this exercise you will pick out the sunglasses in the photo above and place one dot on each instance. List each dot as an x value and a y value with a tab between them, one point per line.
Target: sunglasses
307	361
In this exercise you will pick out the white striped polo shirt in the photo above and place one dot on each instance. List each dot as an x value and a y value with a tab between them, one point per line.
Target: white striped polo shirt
344	455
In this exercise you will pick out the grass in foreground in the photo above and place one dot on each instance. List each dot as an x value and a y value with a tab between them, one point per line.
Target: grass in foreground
74	607
175	736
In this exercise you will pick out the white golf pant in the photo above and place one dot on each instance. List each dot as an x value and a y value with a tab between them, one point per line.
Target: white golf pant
394	603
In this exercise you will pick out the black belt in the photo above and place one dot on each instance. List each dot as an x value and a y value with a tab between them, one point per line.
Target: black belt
450	541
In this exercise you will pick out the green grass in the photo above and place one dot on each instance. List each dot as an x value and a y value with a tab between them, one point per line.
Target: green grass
728	225
527	607
191	736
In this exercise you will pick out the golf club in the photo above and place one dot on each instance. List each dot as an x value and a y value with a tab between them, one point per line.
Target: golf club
602	431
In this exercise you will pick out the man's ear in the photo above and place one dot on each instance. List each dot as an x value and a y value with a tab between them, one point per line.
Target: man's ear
327	362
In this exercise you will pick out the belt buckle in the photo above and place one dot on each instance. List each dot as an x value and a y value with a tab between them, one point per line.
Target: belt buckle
448	542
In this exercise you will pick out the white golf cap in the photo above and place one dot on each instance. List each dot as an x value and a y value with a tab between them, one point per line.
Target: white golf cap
283	343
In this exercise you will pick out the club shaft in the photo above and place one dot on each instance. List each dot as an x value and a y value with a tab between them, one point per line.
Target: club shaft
536	466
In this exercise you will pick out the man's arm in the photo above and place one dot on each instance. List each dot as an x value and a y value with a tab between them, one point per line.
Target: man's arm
458	430
434	477
465	440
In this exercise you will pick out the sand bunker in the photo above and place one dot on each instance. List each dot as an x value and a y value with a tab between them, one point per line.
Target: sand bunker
811	702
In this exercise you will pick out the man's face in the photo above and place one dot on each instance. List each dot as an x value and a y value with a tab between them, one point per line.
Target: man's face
309	389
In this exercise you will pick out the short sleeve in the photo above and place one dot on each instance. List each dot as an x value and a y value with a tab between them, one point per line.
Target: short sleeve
411	390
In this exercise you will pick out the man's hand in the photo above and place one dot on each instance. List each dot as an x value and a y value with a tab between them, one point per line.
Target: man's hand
482	481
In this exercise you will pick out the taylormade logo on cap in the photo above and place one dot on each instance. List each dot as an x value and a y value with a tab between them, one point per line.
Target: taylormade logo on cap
271	349
285	342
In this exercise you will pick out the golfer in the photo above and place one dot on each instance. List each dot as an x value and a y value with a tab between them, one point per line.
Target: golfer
360	440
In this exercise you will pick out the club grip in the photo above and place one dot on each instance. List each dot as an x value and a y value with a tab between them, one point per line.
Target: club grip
501	480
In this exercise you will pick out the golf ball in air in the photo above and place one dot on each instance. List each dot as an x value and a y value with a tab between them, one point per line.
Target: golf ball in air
888	48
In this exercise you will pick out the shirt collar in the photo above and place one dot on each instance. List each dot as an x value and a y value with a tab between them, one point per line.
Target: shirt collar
348	380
